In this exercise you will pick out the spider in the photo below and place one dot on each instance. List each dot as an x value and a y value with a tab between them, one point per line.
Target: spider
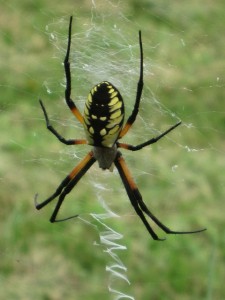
103	125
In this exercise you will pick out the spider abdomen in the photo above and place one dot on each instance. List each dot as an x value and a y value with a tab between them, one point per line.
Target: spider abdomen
103	115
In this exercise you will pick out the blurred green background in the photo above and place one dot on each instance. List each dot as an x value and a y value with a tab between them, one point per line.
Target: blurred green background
181	178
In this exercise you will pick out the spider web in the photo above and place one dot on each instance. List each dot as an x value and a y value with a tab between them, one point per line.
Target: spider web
112	54
98	54
105	47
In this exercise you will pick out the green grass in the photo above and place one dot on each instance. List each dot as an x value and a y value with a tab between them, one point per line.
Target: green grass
181	178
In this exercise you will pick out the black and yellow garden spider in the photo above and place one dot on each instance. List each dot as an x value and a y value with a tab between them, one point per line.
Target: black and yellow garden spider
103	125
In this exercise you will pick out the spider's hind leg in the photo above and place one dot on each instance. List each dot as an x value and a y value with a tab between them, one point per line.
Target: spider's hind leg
67	185
138	203
133	192
161	225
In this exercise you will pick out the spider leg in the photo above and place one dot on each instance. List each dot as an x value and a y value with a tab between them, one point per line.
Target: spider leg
59	137
69	101
67	185
132	192
162	226
140	85
138	203
149	142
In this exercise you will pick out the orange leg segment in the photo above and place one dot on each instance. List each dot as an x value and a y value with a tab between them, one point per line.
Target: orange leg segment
67	185
138	203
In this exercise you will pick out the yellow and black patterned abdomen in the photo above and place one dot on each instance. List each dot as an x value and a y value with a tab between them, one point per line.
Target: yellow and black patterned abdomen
103	115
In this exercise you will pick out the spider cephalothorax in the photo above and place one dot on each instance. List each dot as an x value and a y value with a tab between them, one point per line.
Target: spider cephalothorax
103	125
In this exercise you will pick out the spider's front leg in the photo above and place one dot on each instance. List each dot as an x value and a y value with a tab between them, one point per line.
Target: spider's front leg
68	99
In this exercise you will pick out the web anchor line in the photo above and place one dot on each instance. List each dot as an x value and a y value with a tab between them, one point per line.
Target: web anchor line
108	239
